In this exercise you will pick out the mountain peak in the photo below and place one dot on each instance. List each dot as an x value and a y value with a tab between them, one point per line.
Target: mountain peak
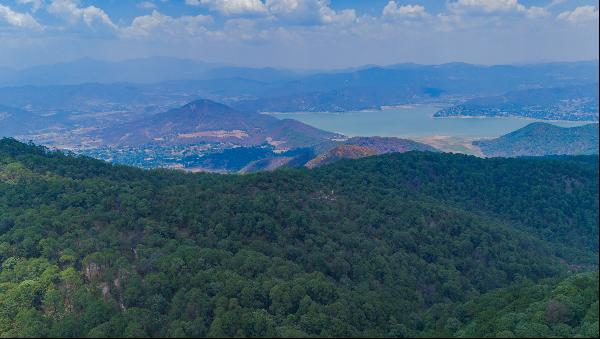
204	120
202	104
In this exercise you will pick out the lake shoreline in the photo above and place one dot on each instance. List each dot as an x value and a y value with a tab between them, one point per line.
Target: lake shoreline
407	107
414	121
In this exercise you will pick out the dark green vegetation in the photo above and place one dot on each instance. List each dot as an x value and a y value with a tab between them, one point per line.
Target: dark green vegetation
550	308
411	244
538	139
236	159
578	102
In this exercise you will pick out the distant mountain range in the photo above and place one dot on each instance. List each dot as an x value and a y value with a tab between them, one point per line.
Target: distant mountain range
539	139
374	87
563	103
173	82
145	70
140	71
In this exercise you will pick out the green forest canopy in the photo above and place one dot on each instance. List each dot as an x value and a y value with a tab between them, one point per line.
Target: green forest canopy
412	244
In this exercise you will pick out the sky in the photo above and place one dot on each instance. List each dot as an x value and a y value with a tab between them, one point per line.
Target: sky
300	34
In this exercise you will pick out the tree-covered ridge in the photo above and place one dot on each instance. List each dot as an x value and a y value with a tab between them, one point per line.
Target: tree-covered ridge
556	200
539	139
551	308
359	248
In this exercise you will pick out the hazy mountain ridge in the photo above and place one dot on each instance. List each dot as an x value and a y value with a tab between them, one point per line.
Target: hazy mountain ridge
268	89
91	70
374	87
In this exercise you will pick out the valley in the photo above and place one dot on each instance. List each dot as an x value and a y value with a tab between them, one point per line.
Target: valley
192	136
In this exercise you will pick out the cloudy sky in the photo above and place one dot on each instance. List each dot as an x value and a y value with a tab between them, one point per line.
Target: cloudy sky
299	33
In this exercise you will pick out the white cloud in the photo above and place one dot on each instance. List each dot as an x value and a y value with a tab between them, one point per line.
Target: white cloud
71	11
308	12
392	10
146	5
535	12
488	6
35	4
580	14
302	32
23	20
294	12
555	3
329	16
160	24
461	7
232	7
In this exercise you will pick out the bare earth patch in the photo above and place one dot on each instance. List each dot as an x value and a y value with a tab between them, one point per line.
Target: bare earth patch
236	133
452	144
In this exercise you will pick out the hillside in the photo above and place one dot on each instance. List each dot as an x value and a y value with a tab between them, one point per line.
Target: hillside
382	145
12	121
252	159
369	247
266	158
537	139
208	121
360	147
340	152
16	122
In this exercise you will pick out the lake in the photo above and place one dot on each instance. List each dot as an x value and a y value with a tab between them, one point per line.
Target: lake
411	121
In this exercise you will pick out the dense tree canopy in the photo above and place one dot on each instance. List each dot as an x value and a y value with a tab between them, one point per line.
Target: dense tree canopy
413	244
550	308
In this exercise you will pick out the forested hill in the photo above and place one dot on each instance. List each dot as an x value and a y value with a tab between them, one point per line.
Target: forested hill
391	245
539	139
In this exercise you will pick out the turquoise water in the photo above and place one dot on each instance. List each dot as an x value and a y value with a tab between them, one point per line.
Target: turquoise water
414	121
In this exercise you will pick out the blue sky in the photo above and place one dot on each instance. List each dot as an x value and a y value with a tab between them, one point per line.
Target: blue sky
299	33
